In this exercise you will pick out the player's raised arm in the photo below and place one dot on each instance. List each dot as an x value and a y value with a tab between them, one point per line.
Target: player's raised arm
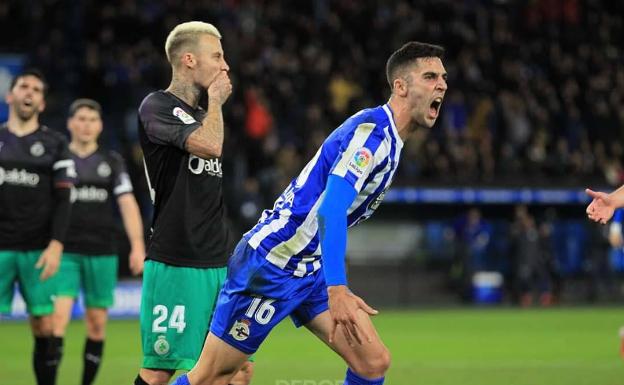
207	141
603	205
332	217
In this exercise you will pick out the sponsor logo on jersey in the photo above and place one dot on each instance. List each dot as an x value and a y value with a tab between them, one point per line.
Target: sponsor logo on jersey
183	116
161	346
18	177
240	330
361	160
211	166
104	170
37	149
89	194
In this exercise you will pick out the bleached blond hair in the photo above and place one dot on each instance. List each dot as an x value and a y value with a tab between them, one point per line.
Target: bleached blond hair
184	36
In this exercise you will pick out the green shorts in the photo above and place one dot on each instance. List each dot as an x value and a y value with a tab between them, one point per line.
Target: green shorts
176	309
97	275
19	266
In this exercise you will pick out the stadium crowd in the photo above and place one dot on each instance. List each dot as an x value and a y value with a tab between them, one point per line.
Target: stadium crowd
536	94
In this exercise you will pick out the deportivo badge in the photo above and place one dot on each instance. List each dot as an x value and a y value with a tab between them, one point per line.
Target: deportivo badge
183	116
240	330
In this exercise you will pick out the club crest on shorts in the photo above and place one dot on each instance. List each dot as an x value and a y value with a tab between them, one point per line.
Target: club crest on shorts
361	160
240	330
37	149
183	116
161	346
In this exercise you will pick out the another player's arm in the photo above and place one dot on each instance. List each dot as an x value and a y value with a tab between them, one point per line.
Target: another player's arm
133	224
50	258
332	217
207	141
603	205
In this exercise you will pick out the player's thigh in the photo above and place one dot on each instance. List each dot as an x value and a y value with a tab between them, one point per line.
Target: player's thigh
361	357
62	314
8	275
244	320
176	306
99	277
68	276
37	294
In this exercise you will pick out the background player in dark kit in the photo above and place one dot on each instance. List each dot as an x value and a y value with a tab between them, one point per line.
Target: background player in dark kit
36	177
89	259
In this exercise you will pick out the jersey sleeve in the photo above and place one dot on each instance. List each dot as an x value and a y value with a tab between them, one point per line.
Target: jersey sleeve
63	168
121	179
616	224
165	123
359	154
618	216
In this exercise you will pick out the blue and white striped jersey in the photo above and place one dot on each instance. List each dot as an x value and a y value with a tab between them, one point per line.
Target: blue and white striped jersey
364	150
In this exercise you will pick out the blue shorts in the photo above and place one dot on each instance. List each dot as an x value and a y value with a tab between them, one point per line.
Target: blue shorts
257	295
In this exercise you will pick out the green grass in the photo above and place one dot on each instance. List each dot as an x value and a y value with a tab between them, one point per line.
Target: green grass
431	347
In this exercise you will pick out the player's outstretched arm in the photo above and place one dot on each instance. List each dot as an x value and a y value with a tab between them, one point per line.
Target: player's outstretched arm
134	229
332	216
207	141
603	205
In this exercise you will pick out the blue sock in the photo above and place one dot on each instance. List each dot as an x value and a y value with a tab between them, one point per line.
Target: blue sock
354	379
182	380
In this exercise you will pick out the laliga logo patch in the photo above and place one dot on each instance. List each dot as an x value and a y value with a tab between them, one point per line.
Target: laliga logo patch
240	330
37	149
104	170
161	346
183	116
359	163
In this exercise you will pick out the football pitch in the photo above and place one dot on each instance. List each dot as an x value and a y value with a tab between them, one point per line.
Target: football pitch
430	347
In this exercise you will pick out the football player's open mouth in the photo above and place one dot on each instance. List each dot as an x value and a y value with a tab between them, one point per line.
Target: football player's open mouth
434	107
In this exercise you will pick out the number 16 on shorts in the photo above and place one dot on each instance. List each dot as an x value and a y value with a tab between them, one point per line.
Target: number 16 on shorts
164	321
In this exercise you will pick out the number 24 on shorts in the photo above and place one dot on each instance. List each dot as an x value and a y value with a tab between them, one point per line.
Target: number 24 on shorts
176	321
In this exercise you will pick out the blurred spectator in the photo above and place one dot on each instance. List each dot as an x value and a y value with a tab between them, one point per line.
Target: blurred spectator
472	236
530	260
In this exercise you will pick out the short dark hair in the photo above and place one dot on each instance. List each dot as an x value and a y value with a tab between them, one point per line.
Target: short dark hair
30	72
408	54
84	102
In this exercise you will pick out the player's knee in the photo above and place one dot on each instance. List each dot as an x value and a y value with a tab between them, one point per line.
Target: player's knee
96	331
42	326
96	328
59	324
243	376
374	366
